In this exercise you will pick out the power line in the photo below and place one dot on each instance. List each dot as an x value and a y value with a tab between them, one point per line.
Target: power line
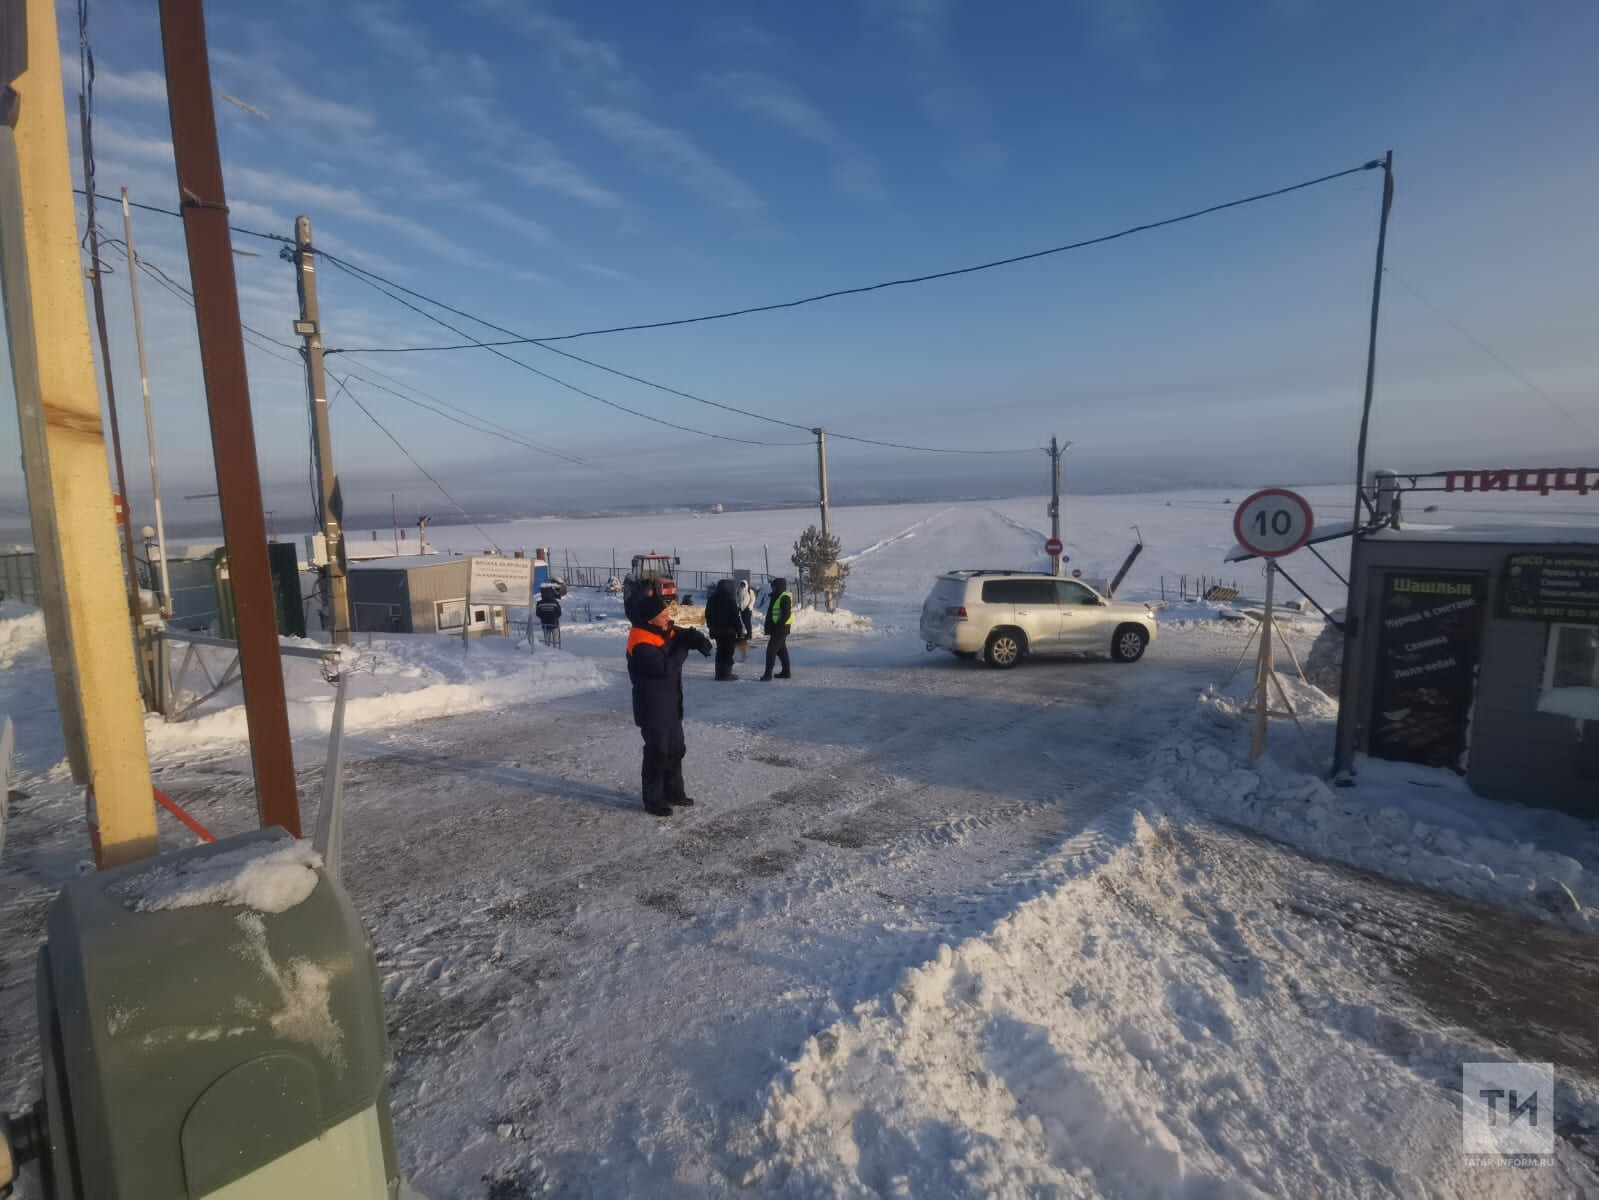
893	283
169	212
443	491
1476	341
379	283
373	279
555	379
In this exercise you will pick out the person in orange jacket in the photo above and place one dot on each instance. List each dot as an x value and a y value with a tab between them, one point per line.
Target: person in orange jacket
655	652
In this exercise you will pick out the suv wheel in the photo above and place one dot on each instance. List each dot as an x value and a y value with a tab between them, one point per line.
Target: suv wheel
1004	648
1128	644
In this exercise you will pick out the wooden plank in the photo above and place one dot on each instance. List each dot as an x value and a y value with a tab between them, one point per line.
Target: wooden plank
60	415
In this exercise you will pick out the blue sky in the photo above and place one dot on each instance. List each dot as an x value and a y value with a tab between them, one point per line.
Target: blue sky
560	166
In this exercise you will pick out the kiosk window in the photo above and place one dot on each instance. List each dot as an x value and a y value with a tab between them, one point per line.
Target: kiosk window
1571	672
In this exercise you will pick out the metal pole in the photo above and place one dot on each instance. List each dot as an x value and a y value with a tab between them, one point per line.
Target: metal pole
146	660
394	512
1371	345
1054	502
821	470
144	386
227	389
1351	616
336	588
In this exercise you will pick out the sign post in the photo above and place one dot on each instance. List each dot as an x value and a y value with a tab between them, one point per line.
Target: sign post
499	582
1053	548
1271	523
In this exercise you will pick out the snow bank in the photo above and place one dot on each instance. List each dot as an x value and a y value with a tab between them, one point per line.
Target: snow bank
21	631
270	877
1418	824
394	681
818	621
1148	1028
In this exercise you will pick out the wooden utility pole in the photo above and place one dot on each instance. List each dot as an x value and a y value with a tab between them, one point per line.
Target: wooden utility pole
63	446
335	588
227	396
821	471
149	420
1056	452
146	648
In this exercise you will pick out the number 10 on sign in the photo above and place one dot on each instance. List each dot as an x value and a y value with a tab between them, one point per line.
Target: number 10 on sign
1273	522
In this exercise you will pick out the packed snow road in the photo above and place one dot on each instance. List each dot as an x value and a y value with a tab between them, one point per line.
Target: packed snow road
587	998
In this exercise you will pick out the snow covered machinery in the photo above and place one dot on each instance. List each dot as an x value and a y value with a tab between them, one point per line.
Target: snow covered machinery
210	1026
659	567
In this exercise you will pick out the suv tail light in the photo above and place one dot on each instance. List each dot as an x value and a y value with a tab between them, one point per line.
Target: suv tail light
959	613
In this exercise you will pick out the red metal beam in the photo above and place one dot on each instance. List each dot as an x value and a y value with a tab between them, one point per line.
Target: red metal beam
227	394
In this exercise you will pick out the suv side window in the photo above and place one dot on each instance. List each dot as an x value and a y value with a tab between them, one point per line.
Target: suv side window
1075	593
1004	591
1036	591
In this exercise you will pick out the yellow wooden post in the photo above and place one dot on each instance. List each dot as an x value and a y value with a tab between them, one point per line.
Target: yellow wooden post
58	405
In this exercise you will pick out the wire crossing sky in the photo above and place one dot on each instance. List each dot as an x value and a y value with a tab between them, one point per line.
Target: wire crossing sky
649	172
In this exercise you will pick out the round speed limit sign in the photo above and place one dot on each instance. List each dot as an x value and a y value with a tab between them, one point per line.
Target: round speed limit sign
1273	522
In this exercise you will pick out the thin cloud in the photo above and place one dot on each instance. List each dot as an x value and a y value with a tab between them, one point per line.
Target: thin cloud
532	159
138	87
673	153
115	142
940	84
773	100
257	81
586	62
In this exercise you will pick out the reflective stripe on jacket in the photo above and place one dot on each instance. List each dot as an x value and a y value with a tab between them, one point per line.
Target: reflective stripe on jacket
780	613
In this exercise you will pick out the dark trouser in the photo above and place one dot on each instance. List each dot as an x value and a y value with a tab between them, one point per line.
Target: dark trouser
662	775
552	635
777	650
724	656
747	615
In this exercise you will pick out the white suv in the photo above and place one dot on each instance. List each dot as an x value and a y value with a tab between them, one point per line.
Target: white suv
1007	614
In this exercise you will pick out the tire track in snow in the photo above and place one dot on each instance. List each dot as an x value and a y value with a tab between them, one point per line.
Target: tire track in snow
909	531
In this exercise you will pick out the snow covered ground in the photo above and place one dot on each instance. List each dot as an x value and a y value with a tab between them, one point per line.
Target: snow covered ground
931	930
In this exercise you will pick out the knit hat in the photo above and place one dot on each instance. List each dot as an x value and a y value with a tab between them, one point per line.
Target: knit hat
650	607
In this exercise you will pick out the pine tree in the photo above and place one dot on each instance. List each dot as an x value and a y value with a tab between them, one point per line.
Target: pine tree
816	560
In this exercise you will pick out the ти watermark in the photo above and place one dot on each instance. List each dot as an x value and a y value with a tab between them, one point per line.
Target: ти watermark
1507	1113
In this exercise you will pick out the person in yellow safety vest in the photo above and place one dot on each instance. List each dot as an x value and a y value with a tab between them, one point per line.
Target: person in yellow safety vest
779	620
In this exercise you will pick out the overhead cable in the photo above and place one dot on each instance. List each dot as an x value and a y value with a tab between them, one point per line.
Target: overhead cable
379	283
555	379
929	277
443	491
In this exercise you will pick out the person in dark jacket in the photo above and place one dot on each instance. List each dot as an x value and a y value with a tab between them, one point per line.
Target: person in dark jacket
779	620
548	611
655	652
722	619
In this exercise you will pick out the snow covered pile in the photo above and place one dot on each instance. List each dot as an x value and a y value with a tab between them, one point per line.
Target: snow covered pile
1155	1027
819	620
21	631
394	681
270	877
1419	824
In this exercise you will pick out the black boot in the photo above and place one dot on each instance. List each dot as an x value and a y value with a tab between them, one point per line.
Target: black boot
683	802
664	810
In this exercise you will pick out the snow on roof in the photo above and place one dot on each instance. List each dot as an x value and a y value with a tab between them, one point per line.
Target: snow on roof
1537	535
405	562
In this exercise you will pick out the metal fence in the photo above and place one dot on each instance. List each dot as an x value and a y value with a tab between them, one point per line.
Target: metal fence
19	577
697	583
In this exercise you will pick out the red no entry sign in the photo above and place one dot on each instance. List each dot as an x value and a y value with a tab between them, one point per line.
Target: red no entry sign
1053	547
